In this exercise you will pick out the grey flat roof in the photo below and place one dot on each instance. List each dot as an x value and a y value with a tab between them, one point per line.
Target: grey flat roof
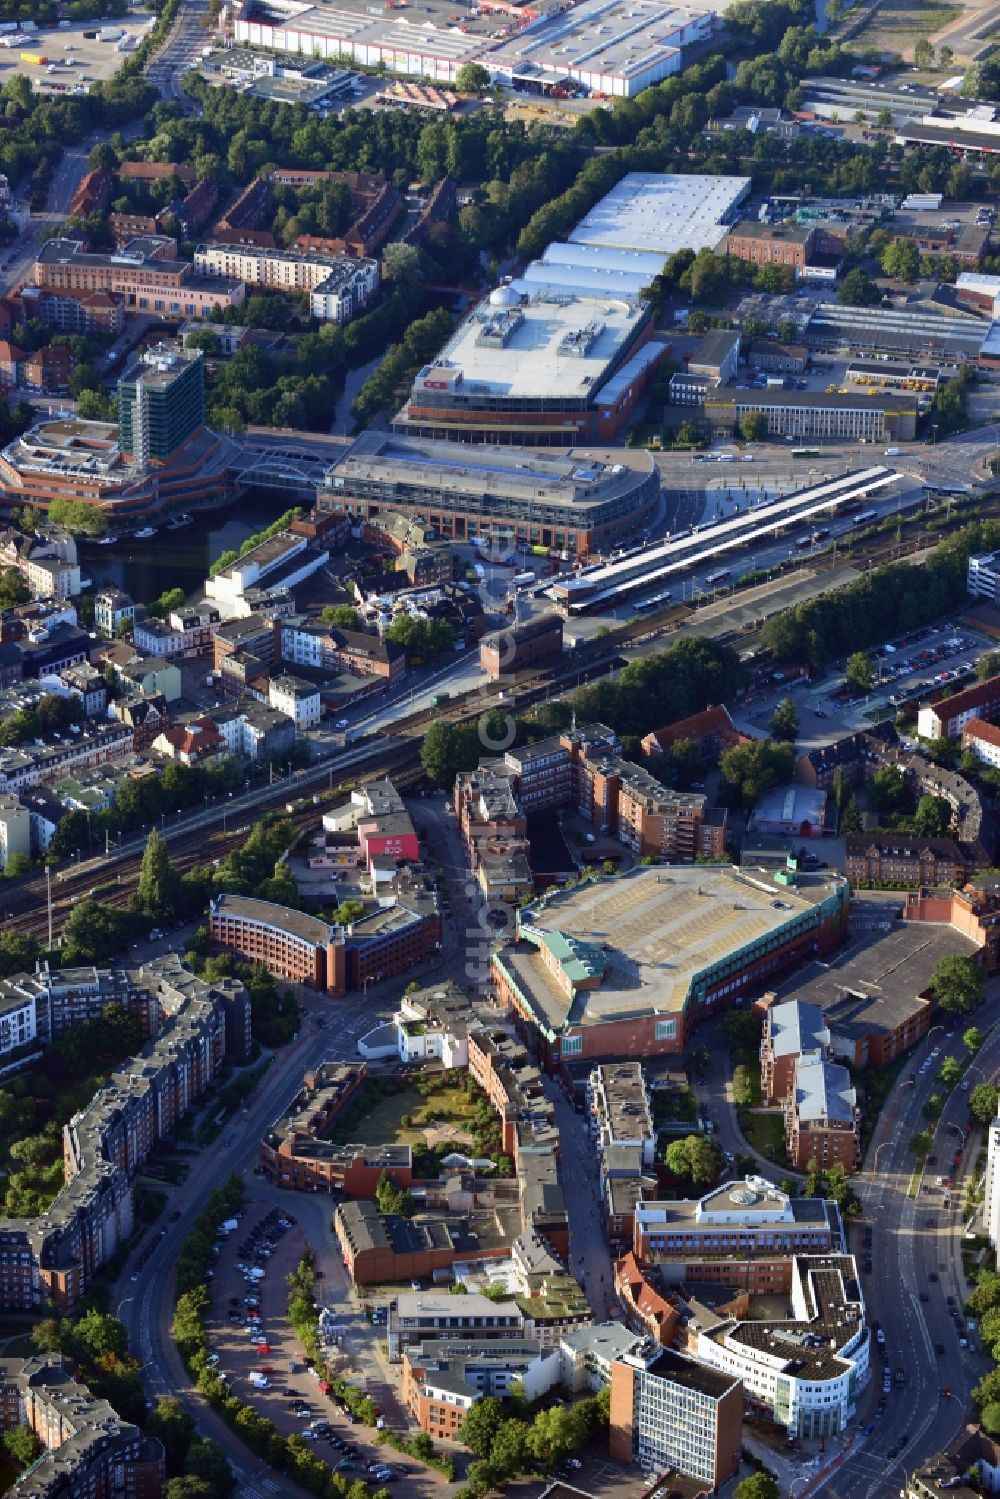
873	984
283	918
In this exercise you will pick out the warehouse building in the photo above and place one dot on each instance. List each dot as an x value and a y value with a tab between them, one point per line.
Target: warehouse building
579	501
615	47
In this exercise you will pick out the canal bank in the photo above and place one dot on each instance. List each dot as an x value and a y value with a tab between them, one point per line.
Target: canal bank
181	559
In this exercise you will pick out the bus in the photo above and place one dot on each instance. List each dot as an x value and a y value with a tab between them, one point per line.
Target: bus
805	452
523	580
722	576
656	601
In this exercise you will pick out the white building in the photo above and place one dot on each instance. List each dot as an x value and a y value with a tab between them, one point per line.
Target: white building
346	292
806	1372
18	1025
297	699
991	1199
983	576
339	286
282	560
983	740
15	829
112	610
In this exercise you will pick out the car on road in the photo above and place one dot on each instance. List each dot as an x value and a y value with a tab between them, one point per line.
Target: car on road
939	1349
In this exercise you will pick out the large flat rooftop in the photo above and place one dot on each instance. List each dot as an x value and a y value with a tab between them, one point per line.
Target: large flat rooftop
552	345
662	212
873	984
574	477
654	931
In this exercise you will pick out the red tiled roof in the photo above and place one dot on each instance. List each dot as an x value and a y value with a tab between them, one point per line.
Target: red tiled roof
978	728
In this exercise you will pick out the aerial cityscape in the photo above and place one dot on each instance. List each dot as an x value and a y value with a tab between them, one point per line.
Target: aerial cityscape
499	749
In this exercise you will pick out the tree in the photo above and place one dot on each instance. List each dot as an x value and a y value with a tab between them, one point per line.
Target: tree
157	887
170	1422
695	1157
957	983
933	1107
753	427
447	749
886	789
759	1486
472	78
93	933
402	263
343	615
22	1444
989	1418
393	1199
933	816
860	673
480	1427
785	721
901	260
851	820
983	1103
857	290
972	1039
988	665
920	1144
751	769
950	1071
188	1487
742	1086
923	52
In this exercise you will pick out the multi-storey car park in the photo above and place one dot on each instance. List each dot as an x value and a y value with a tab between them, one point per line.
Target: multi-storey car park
579	501
627	967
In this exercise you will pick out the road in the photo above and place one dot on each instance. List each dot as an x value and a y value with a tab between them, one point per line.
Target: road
145	1306
914	1240
180	51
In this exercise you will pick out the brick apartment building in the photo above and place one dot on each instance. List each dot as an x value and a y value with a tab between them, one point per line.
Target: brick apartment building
822	1119
888	858
946	717
791	1030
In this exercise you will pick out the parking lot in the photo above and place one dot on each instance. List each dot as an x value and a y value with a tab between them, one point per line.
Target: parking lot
910	666
72	61
259	1356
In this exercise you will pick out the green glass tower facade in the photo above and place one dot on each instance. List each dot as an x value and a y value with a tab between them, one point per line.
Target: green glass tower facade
161	401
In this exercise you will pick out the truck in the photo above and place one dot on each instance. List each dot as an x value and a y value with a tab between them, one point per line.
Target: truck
259	1381
892	452
36	58
439	698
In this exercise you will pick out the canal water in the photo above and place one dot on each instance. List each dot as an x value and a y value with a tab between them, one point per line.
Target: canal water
181	559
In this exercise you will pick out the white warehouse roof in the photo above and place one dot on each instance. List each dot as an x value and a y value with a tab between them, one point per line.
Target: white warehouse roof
659	213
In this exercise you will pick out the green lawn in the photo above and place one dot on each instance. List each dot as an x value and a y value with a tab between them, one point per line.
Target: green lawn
382	1124
897	24
766	1133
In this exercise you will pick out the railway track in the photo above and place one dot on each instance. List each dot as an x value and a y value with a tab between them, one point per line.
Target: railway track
24	907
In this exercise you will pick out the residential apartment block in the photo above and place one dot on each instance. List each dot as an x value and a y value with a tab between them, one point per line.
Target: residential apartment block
89	1452
948	716
822	1118
339	287
194	1026
791	1030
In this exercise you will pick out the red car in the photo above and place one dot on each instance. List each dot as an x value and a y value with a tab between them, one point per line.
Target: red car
267	1369
263	1347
